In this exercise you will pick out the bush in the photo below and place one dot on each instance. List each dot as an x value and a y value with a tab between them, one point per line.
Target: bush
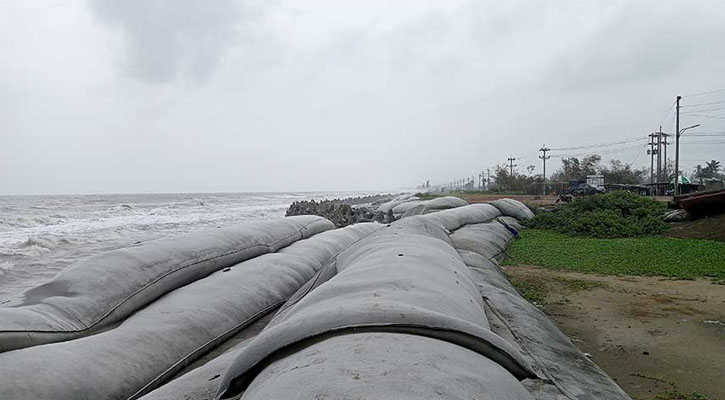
610	215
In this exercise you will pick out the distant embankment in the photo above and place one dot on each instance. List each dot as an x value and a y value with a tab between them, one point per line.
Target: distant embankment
342	212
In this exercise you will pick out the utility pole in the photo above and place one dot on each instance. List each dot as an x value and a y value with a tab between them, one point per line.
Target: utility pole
511	164
543	158
659	160
678	133
677	147
488	177
664	157
651	153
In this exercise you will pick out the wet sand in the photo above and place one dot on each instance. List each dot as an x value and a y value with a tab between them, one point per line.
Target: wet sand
650	334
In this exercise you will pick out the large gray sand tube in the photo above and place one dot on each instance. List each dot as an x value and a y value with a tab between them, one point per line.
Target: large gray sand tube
454	218
513	208
380	365
159	340
428	206
201	382
399	281
101	290
489	239
389	205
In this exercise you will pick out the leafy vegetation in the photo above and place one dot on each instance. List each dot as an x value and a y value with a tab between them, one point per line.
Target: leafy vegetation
712	169
573	168
427	196
515	183
654	256
609	215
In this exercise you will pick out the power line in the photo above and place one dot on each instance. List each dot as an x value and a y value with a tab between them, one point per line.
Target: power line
707	116
704	93
668	112
706	142
697	111
606	151
701	134
703	104
604	144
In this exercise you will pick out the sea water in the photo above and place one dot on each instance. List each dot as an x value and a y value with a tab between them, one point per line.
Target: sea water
42	235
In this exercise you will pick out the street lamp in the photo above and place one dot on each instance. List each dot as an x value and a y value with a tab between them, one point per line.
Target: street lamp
677	156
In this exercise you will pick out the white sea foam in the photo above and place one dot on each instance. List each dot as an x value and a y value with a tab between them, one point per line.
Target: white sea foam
41	235
5	266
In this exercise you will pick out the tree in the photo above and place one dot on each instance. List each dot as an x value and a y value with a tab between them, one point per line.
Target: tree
622	173
710	170
505	181
531	169
577	168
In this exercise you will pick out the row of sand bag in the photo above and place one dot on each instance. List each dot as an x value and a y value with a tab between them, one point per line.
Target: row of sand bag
564	371
154	343
387	207
99	291
489	239
418	207
397	315
407	205
454	218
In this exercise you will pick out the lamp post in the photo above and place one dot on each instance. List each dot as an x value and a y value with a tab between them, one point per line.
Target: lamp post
677	156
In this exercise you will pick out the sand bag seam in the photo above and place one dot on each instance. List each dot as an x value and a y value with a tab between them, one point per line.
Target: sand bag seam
154	383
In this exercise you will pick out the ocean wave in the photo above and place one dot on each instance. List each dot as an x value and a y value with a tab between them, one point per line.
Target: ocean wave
45	242
41	236
5	267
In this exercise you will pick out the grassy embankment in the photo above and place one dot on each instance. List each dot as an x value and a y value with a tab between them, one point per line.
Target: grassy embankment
616	233
649	255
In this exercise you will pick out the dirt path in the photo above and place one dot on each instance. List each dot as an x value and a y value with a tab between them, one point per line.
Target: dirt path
651	335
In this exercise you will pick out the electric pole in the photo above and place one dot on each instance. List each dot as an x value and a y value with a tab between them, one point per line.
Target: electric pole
659	160
511	164
488	177
678	133
677	147
651	153
543	158
664	157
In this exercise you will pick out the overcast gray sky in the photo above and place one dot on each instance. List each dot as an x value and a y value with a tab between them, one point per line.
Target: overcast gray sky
108	96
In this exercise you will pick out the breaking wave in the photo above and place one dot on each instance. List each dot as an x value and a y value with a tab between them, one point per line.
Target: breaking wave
41	235
5	267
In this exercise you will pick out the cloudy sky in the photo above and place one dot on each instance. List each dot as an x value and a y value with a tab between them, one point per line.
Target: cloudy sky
107	96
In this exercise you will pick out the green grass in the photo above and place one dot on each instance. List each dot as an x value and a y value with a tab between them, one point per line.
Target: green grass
532	292
652	255
675	394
